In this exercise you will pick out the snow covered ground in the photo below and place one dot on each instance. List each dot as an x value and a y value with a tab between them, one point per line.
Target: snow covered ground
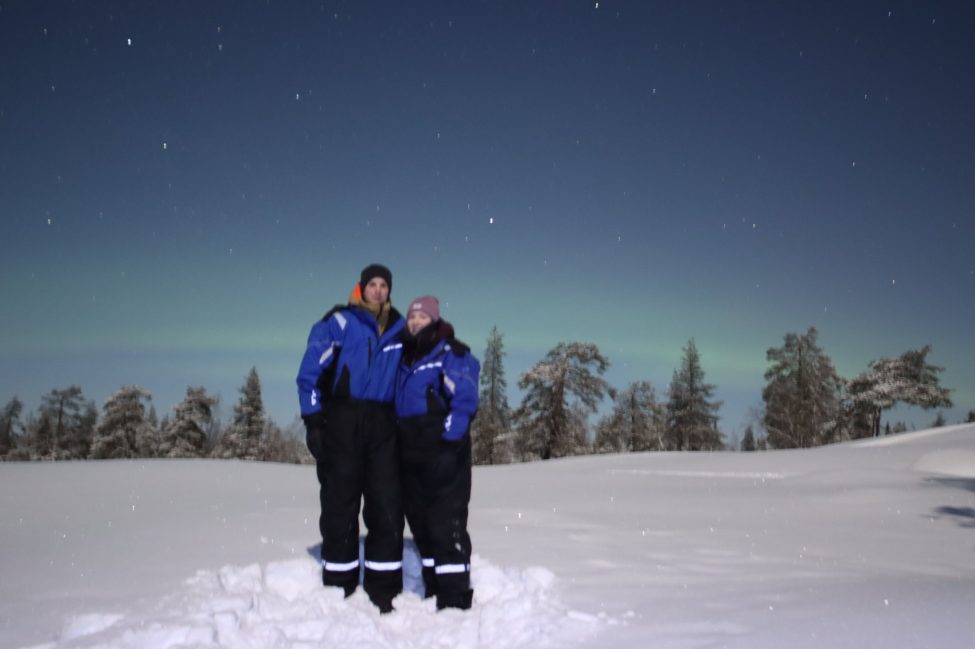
865	544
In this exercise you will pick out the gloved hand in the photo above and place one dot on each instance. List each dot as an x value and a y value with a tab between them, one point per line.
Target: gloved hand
314	429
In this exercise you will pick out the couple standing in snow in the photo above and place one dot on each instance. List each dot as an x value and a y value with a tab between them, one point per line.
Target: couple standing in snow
387	403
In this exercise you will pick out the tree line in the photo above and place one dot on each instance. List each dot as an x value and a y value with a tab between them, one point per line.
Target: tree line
806	404
66	426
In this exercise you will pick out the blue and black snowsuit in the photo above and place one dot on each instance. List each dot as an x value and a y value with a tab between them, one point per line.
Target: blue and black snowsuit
345	388
436	400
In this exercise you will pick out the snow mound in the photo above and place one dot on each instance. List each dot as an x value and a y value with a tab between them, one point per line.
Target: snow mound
283	605
83	625
955	462
911	437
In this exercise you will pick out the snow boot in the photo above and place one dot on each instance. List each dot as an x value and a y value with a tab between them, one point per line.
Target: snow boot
385	606
461	600
328	580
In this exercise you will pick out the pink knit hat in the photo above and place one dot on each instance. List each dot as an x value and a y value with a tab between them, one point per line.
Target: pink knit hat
425	304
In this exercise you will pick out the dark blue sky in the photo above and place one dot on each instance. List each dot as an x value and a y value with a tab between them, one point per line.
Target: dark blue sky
185	187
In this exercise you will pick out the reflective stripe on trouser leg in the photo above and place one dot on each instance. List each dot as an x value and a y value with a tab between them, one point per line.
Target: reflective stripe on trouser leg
332	566
453	568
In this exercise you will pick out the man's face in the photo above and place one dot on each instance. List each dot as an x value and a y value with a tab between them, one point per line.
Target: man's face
376	291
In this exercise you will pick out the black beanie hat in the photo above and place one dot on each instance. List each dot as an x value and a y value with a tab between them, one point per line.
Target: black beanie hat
375	270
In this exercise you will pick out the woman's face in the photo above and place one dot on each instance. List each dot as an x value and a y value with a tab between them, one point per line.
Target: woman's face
376	291
417	320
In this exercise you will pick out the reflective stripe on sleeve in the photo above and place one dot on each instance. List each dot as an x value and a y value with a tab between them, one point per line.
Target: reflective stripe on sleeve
427	563
383	566
327	354
389	348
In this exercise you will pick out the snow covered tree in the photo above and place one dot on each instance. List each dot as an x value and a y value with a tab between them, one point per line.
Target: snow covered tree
40	436
803	405
692	421
124	426
491	430
295	431
636	423
748	441
89	422
547	426
245	436
283	445
68	425
908	378
186	434
11	427
577	428
150	442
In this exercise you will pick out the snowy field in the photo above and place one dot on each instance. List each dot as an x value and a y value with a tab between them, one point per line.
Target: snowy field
865	544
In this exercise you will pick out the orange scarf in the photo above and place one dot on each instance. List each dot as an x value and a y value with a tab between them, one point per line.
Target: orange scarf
379	311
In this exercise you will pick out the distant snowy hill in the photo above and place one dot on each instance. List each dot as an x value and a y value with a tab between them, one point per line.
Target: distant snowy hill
864	544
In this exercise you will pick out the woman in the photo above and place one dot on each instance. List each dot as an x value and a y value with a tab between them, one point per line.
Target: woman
436	399
345	387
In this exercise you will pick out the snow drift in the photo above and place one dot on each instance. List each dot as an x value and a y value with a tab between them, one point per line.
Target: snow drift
865	544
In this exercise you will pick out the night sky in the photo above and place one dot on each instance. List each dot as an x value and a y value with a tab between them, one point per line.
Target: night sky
185	187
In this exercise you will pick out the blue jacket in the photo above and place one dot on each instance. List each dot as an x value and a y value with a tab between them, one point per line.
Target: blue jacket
346	358
450	377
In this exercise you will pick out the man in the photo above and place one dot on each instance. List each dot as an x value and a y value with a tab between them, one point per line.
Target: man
345	388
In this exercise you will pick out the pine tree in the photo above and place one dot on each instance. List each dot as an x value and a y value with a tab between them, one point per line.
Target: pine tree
85	435
635	424
748	441
186	434
802	396
149	443
40	436
11	427
546	424
124	426
68	425
244	438
908	378
692	422
491	429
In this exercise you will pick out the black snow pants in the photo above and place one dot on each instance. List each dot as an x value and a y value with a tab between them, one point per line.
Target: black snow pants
436	476
358	462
